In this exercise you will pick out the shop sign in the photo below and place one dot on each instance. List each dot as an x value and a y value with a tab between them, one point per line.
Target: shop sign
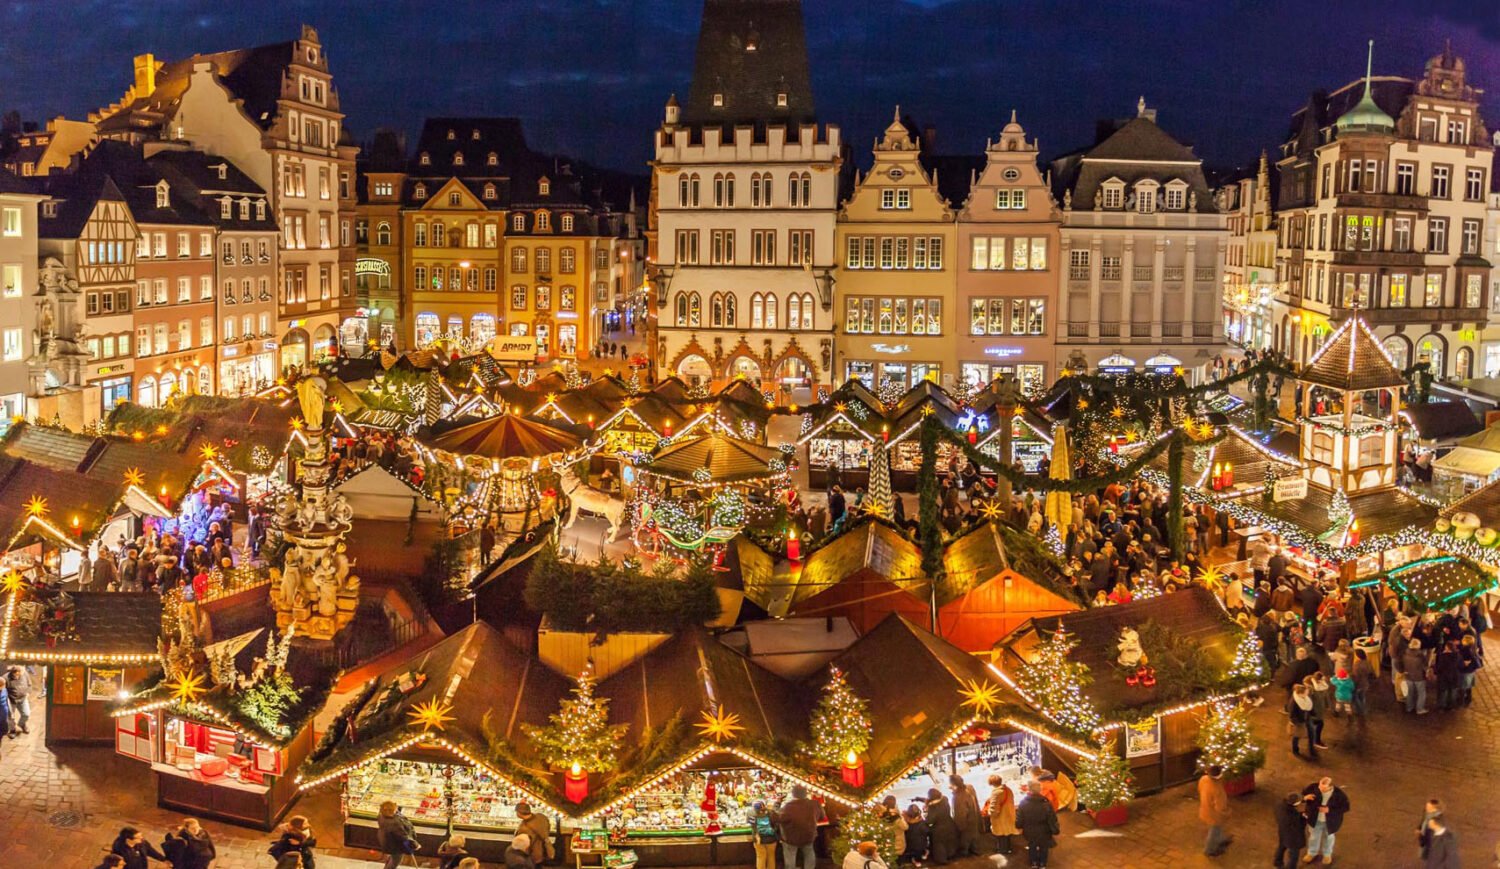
369	266
105	684
1289	489
880	347
269	345
1143	738
513	348
228	351
110	369
1004	352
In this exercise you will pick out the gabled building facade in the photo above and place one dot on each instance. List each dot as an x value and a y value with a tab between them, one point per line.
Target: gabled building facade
18	284
1143	244
894	293
1250	277
1384	186
744	208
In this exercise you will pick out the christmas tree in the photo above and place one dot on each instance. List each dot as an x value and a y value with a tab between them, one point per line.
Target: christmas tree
865	824
1056	685
579	731
1104	779
879	501
1226	740
1339	511
841	722
1248	663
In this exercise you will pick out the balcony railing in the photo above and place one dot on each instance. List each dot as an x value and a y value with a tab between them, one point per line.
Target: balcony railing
1110	273
1142	273
1109	330
1171	273
1203	274
1077	330
1140	330
1203	330
1171	329
1396	316
1078	273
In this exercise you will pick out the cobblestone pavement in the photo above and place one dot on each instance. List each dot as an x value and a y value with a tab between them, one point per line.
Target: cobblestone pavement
62	807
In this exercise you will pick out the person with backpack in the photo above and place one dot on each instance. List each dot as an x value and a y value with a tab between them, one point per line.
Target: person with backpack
764	836
394	834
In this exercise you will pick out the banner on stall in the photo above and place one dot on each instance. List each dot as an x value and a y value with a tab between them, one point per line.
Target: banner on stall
1143	738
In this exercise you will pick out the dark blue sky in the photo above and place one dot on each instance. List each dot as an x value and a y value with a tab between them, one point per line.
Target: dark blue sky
589	76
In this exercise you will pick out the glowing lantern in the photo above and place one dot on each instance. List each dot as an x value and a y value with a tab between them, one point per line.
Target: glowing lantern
576	784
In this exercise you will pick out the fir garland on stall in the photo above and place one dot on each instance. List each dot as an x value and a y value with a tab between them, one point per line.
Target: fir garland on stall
840	723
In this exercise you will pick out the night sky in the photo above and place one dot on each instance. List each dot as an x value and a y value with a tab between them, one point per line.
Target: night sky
589	77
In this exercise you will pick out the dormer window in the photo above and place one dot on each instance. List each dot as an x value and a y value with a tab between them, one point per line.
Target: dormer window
1145	197
224	207
454	198
260	209
543	221
1176	196
450	135
518	222
420	191
492	160
425	159
244	208
1113	194
781	99
163	197
49	208
544	187
489	191
222	170
567	223
458	159
718	101
474	134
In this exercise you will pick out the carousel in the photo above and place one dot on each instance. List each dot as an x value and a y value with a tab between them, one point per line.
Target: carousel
509	467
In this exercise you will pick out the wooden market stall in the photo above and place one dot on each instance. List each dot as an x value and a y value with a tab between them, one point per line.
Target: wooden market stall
94	645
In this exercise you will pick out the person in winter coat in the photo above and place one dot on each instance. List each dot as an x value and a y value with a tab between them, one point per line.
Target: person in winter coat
1001	808
941	828
1291	831
1442	852
798	820
1343	692
1213	810
296	836
539	828
134	850
1433	809
18	686
393	834
1038	823
111	861
1299	707
965	815
1414	668
518	854
917	838
1323	807
452	852
1322	697
1447	665
191	847
863	855
1363	676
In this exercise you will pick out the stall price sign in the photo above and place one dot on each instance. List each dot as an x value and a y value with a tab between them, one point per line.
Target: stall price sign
1143	738
1289	489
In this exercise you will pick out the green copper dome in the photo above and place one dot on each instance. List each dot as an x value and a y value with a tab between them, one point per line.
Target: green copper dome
1366	116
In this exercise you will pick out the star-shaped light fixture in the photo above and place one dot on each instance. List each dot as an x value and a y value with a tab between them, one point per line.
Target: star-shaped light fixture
188	687
431	715
719	725
981	696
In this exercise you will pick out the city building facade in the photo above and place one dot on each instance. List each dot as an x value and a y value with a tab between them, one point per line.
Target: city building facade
1143	244
18	283
1007	264
1250	275
1383	201
894	288
745	193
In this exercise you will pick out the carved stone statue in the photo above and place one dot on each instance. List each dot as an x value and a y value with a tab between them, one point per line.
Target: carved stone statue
1067	200
1192	200
1098	199
343	565
310	395
340	512
291	579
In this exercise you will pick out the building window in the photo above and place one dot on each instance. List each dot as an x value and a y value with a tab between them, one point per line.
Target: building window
13	345
1398	291
991	316
799	190
384	188
518	297
543	221
1439	182
11	226
567	223
471	235
1471	237
419	192
687	247
1176	198
722	247
543	261
1473	290
1014	253
567	261
897	198
518	222
1474	184
1078	265
1432	295
800	247
455	198
763	247
1114	195
490	280
544	187
491	234
1401	234
1437	235
382	233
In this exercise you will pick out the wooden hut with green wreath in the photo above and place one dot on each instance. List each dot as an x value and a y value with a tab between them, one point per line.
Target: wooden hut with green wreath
1144	671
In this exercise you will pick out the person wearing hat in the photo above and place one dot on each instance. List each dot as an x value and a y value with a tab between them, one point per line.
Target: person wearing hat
1291	831
538	830
864	855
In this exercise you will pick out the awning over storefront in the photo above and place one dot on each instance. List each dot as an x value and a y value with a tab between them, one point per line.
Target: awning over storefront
1469	462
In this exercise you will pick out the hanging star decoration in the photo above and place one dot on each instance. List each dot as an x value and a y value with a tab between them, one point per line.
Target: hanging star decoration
720	725
338	406
1083	403
134	477
209	452
928	410
1212	579
1118	412
188	687
991	510
430	715
981	696
841	406
13	582
37	506
297	423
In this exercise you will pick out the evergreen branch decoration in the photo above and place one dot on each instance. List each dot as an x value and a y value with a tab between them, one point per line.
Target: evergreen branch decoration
840	723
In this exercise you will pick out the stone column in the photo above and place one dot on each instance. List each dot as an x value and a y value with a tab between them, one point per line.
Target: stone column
1190	290
1096	250
1158	266
1127	284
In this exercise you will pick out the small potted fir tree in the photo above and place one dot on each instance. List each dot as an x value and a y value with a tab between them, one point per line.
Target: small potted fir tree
1105	785
1225	738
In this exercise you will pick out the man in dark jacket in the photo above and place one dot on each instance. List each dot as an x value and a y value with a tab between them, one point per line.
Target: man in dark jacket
798	821
1442	847
1037	821
965	815
1323	807
1291	831
134	849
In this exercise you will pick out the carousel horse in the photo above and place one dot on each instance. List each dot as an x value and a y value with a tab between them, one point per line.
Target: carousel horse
587	499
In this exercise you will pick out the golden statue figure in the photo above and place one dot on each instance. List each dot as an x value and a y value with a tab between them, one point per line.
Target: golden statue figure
310	394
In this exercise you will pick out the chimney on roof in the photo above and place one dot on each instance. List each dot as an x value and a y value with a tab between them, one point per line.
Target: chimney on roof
929	139
145	74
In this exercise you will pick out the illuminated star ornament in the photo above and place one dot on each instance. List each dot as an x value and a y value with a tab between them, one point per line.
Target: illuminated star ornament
13	582
338	406
719	725
188	687
430	715
37	506
1118	412
134	477
297	423
1212	578
928	410
982	696
841	407
209	452
991	510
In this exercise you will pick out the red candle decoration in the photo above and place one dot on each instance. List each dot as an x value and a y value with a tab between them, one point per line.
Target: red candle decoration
576	784
1354	533
885	434
1216	481
854	770
667	427
1228	475
793	546
77	527
165	499
591	422
973	435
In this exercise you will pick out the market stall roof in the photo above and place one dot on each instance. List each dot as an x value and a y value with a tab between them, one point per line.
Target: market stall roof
923	392
1487	439
1352	360
485	686
106	628
739	389
1483	502
864	573
1240	449
726	459
37	500
1470	462
1193	616
505	436
1438	583
552	381
671	389
1383	511
844	416
1442	420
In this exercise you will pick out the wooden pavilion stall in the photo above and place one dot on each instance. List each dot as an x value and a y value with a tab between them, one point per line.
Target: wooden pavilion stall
1160	721
93	646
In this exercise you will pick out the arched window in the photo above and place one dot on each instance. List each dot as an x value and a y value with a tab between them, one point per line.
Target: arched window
765	190
730	314
771	303
716	310
543	221
729	190
567	223
145	391
807	312
754	189
682	190
439	234
518	222
695	310
757	311
680	307
799	189
383	233
489	191
695	185
793	311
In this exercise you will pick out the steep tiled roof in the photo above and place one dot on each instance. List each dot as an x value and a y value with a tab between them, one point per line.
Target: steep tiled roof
749	51
106	623
727	460
1135	149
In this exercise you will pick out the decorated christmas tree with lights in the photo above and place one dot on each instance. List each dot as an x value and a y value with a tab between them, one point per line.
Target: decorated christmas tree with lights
1248	665
1226	740
840	723
868	824
580	732
1056	684
1104	779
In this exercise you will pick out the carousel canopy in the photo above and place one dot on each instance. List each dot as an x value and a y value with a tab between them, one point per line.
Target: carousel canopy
1439	583
504	436
1352	360
727	459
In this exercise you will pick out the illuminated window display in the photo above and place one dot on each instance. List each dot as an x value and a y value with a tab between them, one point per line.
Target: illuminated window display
422	791
1010	756
674	806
